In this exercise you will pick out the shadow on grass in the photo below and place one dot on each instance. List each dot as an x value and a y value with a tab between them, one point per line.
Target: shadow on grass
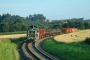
19	42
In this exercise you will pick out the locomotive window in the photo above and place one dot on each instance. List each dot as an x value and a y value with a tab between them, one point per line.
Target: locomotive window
32	33
30	27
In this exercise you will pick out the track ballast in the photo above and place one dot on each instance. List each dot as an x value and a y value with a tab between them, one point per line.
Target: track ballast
34	52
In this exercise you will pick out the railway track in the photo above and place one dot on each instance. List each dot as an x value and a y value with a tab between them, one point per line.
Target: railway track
34	52
38	47
27	53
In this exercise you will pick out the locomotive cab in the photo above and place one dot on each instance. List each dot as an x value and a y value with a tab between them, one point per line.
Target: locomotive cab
32	34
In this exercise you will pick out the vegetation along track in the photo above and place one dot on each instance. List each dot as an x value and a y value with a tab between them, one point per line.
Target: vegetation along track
34	52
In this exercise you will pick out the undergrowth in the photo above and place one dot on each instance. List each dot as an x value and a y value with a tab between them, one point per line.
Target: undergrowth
9	48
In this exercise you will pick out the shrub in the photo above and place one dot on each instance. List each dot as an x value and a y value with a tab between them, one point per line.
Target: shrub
87	40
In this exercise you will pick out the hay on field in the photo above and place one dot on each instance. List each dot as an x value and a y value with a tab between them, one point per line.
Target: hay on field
73	37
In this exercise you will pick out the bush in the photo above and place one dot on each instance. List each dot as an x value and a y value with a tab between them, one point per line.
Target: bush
87	40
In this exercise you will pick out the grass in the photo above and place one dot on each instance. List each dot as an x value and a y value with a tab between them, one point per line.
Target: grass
9	49
68	51
9	33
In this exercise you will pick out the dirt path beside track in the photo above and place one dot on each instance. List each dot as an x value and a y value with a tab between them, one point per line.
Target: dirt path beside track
13	36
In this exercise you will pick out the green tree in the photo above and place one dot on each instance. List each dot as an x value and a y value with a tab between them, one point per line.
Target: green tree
87	25
4	27
71	24
65	25
81	25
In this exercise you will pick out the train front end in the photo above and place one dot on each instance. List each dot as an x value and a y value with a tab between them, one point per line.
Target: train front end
32	34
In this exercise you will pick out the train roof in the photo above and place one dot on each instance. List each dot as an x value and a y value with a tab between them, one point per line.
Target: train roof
33	26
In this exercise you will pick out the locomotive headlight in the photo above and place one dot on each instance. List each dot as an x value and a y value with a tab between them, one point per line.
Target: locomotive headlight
31	38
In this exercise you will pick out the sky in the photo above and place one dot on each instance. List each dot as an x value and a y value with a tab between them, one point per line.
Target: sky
51	9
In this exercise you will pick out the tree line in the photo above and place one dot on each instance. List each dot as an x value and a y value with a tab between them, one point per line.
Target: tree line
79	23
12	23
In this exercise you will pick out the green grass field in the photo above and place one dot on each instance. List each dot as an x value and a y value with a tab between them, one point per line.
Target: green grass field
8	49
68	51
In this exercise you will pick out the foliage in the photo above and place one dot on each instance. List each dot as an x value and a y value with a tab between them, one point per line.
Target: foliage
87	40
6	50
87	25
81	25
10	23
4	27
9	48
13	23
68	51
36	17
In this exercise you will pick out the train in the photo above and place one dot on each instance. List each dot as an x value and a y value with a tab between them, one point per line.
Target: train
34	33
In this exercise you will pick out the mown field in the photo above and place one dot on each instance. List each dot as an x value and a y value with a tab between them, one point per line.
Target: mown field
73	37
72	49
9	48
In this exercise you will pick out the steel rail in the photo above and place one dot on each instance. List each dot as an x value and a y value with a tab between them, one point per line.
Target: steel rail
38	47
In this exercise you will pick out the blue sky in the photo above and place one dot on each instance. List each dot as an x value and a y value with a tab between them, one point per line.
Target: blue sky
52	9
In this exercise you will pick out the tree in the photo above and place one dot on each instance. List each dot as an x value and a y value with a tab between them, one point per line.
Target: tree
87	25
30	17
71	24
4	27
23	27
0	18
35	17
81	25
65	25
